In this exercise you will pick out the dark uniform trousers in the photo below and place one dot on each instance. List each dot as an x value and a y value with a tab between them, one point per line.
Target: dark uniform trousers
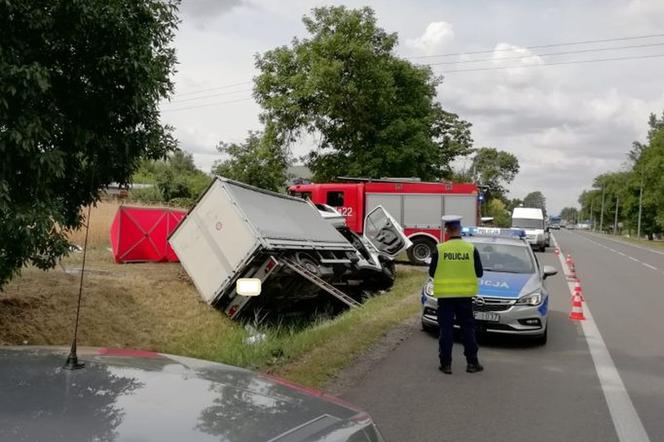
462	308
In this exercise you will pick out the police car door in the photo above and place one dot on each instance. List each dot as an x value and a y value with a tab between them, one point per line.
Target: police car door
385	233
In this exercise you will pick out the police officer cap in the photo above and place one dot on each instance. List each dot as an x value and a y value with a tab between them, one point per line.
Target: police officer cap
452	220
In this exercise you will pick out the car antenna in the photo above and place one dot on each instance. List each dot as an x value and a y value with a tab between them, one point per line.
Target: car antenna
72	360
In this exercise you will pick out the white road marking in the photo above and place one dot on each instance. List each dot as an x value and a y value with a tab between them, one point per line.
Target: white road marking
621	253
659	252
626	420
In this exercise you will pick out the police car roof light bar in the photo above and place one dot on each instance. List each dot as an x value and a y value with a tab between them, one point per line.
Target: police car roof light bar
494	232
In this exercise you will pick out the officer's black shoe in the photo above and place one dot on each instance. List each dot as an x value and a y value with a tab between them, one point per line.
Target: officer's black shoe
474	368
445	368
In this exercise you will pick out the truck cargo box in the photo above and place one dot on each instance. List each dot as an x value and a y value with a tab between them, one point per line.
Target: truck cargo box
235	227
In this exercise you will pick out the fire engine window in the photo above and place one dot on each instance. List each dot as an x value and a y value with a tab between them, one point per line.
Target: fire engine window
303	195
335	199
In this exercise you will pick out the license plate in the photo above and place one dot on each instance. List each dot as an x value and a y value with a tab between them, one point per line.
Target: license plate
487	316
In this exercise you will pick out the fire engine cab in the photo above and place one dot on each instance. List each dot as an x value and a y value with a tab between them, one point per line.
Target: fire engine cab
417	206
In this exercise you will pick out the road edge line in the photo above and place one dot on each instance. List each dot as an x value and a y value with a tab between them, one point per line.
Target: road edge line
627	243
626	420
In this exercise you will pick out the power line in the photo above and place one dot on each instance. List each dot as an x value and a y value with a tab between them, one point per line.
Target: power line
488	51
596	60
206	105
205	97
550	45
195	92
578	51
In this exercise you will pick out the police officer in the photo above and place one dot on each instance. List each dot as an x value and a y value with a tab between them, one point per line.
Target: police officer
455	267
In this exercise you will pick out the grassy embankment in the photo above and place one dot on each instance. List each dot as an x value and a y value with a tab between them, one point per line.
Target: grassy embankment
156	307
655	244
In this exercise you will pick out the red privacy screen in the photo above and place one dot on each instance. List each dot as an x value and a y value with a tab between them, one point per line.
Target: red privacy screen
138	234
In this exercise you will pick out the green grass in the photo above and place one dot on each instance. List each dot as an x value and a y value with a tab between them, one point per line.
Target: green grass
313	354
155	307
657	244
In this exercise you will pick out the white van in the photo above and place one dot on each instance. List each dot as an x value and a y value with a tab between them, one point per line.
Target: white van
532	221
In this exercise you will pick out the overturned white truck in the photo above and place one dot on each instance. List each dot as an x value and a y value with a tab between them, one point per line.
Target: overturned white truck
303	255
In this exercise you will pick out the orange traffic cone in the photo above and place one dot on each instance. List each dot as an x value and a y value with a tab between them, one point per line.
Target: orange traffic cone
578	291
577	309
571	266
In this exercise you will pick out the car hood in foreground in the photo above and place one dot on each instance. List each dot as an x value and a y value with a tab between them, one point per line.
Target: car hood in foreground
507	285
135	395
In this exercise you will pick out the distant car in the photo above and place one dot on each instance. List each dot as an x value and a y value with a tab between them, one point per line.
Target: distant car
138	395
554	222
512	298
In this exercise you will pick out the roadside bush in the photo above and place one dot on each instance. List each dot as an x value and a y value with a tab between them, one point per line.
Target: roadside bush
150	195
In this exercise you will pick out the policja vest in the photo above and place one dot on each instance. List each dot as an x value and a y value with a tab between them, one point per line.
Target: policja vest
455	272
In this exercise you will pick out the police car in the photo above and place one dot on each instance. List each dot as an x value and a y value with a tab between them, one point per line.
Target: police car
512	298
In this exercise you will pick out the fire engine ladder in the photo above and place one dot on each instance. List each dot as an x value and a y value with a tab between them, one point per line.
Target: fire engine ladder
341	296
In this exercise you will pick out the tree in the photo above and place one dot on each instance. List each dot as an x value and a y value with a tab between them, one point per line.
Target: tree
513	203
591	202
535	199
259	161
494	169
497	209
622	190
652	164
176	180
569	214
374	113
80	85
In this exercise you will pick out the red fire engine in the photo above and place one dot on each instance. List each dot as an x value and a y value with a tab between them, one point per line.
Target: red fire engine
417	206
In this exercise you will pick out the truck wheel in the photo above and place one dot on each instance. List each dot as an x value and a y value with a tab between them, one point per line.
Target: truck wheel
308	262
421	250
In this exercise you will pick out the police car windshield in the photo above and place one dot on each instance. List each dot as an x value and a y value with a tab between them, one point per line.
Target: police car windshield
525	223
505	258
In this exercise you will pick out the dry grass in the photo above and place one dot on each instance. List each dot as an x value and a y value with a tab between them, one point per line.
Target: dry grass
101	218
654	244
148	306
156	307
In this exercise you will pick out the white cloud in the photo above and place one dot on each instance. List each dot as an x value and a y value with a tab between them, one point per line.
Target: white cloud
435	37
643	13
565	123
520	60
208	8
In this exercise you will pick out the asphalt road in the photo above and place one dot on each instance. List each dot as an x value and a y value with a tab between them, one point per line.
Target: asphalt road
566	390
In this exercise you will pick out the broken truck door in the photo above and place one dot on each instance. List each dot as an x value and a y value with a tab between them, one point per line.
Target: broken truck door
385	233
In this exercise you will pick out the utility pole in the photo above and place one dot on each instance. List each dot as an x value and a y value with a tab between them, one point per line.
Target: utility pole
592	224
615	219
601	215
638	228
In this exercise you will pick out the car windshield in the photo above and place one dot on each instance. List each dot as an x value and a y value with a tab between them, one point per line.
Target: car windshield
525	223
505	258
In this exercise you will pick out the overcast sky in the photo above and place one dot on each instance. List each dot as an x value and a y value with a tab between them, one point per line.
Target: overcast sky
565	123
